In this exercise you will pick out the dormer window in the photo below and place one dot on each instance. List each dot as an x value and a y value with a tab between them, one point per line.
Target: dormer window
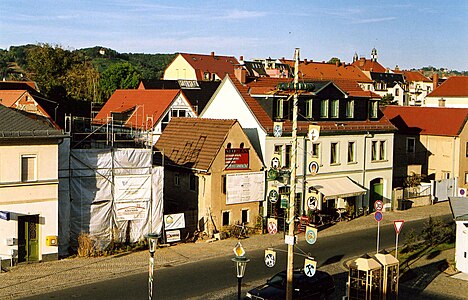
206	76
350	109
279	108
308	107
374	106
324	109
335	108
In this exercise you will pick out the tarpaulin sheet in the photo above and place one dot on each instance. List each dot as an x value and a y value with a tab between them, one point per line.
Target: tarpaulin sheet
111	194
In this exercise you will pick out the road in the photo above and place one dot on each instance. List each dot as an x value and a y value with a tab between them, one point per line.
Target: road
217	274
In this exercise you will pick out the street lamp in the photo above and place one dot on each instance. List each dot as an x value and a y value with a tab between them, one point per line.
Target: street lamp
241	264
152	239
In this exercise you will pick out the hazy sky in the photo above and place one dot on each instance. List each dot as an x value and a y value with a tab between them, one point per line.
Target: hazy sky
406	33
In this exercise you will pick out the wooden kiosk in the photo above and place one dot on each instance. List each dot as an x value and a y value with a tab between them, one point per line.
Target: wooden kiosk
391	270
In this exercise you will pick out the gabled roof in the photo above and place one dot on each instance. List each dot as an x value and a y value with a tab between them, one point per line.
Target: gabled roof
193	143
389	78
369	65
198	93
139	104
413	76
9	97
455	86
324	71
18	85
221	65
15	124
441	121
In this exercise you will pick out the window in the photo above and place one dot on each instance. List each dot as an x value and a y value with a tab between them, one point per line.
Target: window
374	105
279	108
178	113
165	121
383	150
287	158
324	109
278	149
245	216
316	150
350	109
334	153
28	168
466	149
223	188
308	112
466	178
226	218
335	107
445	175
351	152
397	92
241	145
410	145
229	145
374	151
193	182
176	179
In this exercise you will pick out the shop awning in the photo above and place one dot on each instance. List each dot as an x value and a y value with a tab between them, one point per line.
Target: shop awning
338	187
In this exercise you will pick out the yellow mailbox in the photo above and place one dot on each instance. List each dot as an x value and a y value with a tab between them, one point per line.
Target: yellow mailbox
51	240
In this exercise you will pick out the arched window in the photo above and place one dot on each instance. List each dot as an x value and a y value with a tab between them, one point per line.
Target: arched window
228	146
241	145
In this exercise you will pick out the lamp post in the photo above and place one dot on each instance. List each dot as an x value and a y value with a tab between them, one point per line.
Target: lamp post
241	264
152	238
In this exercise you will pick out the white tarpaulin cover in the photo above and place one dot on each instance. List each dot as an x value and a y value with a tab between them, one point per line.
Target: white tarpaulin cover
110	194
245	187
338	187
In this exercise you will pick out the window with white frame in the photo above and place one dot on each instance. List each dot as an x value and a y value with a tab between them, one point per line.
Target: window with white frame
374	150
315	150
335	108
308	108
245	216
410	145
466	177
324	108
28	168
378	150
351	152
226	218
334	151
279	108
350	109
374	107
383	150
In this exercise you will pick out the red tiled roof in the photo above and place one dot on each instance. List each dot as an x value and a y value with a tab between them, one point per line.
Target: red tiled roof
353	89
193	142
221	65
427	120
324	71
413	75
455	86
9	97
145	102
369	65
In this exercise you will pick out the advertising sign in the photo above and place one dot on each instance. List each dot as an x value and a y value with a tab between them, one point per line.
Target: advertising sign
130	210
174	221
245	187
237	159
309	267
311	235
172	236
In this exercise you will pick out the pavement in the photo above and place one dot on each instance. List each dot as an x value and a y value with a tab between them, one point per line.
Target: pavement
430	278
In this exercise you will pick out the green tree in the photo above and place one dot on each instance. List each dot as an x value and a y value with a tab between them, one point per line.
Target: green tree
82	82
119	76
334	60
388	100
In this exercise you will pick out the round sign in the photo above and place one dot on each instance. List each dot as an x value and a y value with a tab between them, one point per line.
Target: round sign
272	229
273	196
277	130
313	135
270	260
313	167
311	237
378	205
312	203
378	216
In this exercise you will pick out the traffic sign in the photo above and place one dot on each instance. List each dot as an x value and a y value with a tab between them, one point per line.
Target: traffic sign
378	205
378	216
239	250
311	235
309	267
312	203
398	224
270	258
272	226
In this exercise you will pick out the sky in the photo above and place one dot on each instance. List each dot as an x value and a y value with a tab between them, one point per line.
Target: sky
410	34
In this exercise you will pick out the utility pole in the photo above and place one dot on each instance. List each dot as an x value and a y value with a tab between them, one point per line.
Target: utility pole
292	194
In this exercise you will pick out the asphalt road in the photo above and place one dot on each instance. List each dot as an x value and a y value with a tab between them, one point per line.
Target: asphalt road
216	274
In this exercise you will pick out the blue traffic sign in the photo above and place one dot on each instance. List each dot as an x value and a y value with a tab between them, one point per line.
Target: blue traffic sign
378	216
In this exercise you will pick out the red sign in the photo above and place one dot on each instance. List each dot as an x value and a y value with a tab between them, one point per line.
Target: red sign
398	224
237	159
378	205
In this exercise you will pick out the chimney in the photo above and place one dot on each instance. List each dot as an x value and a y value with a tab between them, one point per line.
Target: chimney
241	58
240	73
435	81
305	61
337	63
397	68
212	53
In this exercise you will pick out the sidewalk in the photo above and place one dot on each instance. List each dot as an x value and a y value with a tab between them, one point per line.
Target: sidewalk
38	278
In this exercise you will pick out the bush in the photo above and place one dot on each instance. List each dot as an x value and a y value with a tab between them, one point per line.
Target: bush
85	245
435	231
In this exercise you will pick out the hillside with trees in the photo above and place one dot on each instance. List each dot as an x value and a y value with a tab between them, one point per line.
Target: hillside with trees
90	74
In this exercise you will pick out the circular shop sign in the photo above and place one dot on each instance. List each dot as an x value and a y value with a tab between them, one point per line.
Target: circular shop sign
273	196
313	167
312	203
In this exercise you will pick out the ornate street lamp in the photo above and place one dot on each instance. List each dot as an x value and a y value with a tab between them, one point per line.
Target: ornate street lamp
241	264
152	239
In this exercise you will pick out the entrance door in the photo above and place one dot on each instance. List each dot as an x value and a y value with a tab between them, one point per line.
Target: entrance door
376	192
28	238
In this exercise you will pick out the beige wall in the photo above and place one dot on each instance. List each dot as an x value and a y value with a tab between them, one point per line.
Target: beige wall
463	158
210	186
442	151
39	197
179	69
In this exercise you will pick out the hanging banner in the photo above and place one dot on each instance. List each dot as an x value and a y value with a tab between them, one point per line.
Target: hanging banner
309	267
311	235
